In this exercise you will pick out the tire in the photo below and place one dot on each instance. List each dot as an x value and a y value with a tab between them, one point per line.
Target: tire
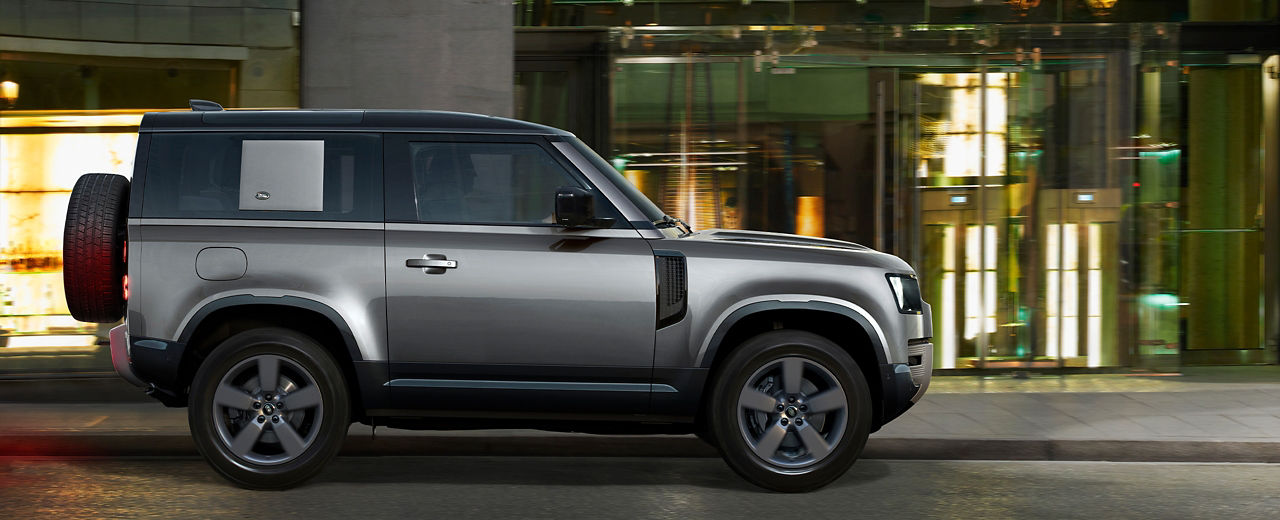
227	400
704	434
93	248
814	439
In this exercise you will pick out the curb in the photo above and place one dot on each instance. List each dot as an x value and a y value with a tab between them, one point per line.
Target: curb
1073	450
171	445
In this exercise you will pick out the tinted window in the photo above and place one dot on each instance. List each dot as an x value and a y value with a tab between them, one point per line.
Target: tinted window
642	203
284	176
493	183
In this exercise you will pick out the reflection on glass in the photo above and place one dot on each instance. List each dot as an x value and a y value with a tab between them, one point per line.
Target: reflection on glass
37	172
959	137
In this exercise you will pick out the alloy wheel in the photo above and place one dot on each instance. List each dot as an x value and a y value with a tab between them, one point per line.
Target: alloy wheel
267	410
792	412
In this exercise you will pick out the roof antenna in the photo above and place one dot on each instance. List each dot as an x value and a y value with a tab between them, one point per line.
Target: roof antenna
200	105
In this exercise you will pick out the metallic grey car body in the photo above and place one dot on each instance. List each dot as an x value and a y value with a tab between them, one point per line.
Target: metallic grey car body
531	318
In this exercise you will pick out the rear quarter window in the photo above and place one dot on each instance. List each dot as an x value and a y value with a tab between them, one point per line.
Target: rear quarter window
269	176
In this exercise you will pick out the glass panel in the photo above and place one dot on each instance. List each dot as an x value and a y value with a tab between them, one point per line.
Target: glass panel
478	182
1031	174
543	97
1221	243
741	12
727	142
205	177
1153	237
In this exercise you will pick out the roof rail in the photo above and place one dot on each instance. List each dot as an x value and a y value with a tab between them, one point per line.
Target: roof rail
200	105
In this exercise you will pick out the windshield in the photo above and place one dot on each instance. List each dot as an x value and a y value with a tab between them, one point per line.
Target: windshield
646	206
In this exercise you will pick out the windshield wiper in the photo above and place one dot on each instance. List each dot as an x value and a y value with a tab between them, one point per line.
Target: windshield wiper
668	221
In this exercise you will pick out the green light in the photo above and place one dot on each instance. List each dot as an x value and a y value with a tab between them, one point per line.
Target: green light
1160	300
1163	156
620	163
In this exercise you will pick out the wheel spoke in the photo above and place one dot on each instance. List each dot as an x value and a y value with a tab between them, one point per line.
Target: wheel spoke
828	401
232	397
756	400
303	398
289	438
792	374
813	440
248	436
269	373
768	443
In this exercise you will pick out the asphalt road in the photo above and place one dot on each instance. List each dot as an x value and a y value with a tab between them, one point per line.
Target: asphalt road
639	487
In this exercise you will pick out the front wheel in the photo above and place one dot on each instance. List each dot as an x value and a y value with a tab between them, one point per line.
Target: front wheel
791	410
269	408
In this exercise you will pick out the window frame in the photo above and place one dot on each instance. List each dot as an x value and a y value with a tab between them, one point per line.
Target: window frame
372	179
400	204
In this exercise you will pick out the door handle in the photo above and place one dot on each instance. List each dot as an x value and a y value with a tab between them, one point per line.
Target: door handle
429	263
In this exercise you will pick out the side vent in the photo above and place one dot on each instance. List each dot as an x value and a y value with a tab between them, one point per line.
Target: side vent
673	287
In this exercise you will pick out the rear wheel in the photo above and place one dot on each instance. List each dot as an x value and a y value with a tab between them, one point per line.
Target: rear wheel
791	411
93	247
269	408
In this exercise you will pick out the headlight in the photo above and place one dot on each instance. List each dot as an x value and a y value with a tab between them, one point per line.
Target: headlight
906	290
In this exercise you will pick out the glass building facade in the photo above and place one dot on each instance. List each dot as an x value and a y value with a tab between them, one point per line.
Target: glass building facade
75	79
1081	185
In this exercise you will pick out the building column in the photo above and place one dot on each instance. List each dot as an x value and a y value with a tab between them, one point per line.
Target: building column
439	55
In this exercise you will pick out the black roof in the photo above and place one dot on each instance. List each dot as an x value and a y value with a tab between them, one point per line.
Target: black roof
357	120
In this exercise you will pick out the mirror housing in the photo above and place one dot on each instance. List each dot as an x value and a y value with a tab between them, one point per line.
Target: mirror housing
576	208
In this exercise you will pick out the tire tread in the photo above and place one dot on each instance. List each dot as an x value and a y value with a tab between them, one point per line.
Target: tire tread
93	247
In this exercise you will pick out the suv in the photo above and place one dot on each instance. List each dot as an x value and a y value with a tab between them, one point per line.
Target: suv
283	274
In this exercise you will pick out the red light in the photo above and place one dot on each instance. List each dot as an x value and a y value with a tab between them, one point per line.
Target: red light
1137	184
126	251
126	287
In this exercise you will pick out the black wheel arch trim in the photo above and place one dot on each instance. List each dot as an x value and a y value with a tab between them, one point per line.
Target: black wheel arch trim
895	392
348	338
369	375
766	306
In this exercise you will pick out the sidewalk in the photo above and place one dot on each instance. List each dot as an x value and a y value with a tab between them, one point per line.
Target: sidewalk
1221	414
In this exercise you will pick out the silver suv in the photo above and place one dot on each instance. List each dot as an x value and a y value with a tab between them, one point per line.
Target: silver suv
283	274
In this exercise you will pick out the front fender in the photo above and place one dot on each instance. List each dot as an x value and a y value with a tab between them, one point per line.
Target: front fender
724	323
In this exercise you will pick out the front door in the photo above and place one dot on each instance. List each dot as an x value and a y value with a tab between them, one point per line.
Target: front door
490	306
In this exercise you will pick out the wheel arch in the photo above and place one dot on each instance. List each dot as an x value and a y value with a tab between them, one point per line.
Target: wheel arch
222	318
845	326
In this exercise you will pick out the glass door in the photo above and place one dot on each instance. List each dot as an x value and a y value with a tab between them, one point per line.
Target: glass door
956	127
1016	170
1221	300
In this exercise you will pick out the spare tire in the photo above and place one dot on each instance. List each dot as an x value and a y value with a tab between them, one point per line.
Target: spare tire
93	248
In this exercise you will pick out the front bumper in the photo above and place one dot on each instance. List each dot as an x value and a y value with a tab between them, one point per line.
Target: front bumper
120	355
920	362
905	383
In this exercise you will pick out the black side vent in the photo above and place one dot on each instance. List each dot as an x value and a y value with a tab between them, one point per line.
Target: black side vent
673	287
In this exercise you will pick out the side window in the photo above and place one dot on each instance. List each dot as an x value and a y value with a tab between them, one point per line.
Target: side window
264	176
489	183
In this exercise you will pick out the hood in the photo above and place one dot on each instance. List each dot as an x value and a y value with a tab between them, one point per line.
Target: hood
774	239
727	243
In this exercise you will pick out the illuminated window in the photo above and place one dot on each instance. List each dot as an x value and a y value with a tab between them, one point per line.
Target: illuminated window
948	297
1093	338
1062	305
979	281
960	139
37	171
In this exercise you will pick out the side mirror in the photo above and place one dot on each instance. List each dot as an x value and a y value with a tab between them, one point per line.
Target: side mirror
576	208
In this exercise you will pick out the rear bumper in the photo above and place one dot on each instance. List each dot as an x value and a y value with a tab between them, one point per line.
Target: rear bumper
120	355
